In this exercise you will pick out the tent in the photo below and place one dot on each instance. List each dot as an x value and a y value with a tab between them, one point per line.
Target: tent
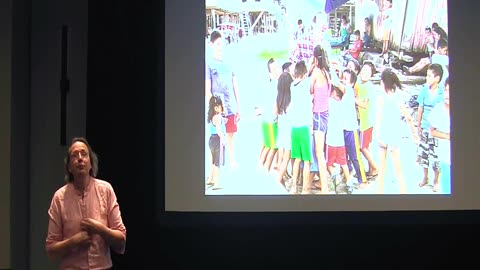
327	5
331	5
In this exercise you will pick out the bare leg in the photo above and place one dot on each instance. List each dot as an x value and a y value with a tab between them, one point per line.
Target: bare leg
231	148
419	65
269	159
210	177
346	173
383	167
296	169
424	181
330	170
262	156
216	176
276	158
372	167
322	164
306	178
435	181
280	157
398	170
283	166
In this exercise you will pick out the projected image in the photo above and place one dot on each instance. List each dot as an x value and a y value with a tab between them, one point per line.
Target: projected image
326	97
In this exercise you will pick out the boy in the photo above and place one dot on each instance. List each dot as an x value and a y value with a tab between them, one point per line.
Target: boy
429	96
300	110
350	128
336	153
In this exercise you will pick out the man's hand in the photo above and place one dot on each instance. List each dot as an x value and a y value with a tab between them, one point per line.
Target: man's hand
237	117
92	226
82	238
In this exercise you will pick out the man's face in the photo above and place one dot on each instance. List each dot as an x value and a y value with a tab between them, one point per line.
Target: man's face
79	163
431	78
346	78
366	73
217	46
443	51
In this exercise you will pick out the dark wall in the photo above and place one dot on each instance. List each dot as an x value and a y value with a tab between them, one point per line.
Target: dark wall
122	74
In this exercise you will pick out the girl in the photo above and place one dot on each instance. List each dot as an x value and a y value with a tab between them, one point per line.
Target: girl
217	139
387	26
388	121
320	88
284	125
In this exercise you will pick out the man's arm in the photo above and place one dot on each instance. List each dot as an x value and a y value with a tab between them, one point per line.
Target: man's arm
419	120
361	103
237	97
57	250
438	134
208	89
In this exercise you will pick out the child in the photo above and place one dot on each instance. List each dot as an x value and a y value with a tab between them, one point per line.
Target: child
284	139
388	121
350	128
439	120
429	96
217	139
387	25
267	110
365	101
336	153
300	111
354	52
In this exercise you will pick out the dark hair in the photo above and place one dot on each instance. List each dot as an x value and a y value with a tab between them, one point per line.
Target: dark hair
428	28
344	17
434	25
270	61
286	66
442	43
214	101
353	75
440	32
299	21
215	35
390	1
284	95
356	64
300	69
92	156
390	80
337	91
321	56
447	81
437	70
369	64
357	32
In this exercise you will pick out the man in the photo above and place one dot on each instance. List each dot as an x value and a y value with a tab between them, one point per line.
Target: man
220	80
84	215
